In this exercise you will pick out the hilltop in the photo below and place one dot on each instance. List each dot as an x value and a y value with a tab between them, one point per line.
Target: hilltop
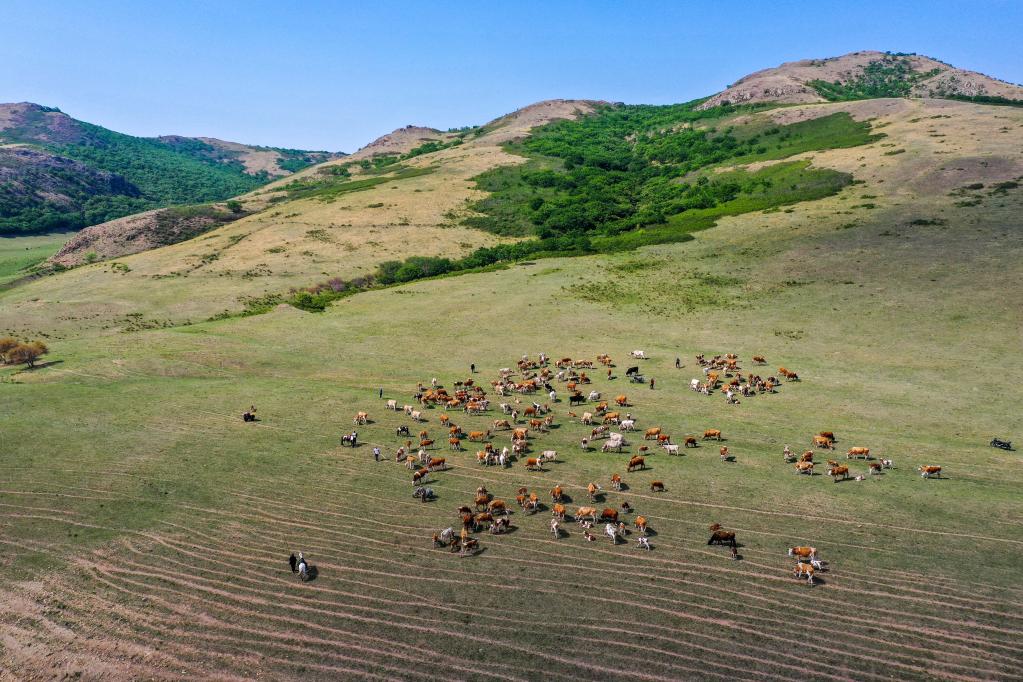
61	173
863	75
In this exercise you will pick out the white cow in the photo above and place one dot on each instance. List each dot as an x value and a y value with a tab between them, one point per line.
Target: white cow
628	425
695	384
594	396
417	416
392	405
548	455
638	354
611	531
671	448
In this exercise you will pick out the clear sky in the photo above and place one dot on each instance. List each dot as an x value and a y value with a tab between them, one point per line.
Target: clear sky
335	75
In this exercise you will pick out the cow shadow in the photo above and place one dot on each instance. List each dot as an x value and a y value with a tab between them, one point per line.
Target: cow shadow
625	486
599	497
729	458
312	572
650	533
566	498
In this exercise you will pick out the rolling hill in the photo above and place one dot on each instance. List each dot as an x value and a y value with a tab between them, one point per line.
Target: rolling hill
871	245
865	75
60	173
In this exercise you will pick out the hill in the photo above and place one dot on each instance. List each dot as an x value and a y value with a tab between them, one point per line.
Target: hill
872	246
864	75
60	173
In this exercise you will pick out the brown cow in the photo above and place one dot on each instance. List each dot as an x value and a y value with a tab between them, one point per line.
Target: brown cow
609	514
593	489
652	433
479	435
656	486
420	476
929	471
721	537
663	439
724	452
437	463
759	359
836	472
454	443
533	464
482	500
519	434
830	435
621	401
804	468
808	553
822	442
802	569
425	443
497	506
502	424
690	442
558	511
557	493
584	512
712	433
616	482
641	524
481	518
636	463
858	452
806	456
874	467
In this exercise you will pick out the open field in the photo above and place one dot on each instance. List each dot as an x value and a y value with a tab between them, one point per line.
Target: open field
145	529
17	254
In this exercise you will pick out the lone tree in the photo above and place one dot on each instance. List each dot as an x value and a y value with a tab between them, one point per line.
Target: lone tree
7	344
27	353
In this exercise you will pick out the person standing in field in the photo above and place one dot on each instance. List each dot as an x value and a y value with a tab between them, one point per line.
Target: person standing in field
472	368
376	454
678	363
651	383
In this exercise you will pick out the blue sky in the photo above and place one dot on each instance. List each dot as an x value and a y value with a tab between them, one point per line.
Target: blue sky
335	75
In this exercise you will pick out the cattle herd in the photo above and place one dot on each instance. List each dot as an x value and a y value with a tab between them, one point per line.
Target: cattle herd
526	392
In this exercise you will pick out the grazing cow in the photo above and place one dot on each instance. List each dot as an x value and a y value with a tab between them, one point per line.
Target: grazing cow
548	455
593	489
874	467
858	452
759	359
652	433
519	434
558	511
621	401
479	435
502	424
712	434
643	543
636	463
555	529
610	445
721	537
497	507
361	418
482	500
802	569
401	431
612	418
444	419
628	424
804	468
724	452
392	405
587	418
425	443
609	514
806	456
663	439
437	463
416	415
533	464
454	443
887	464
822	442
671	449
929	471
410	462
690	442
641	524
616	482
830	435
638	354
420	476
584	513
611	531
656	486
836	472
801	553
557	493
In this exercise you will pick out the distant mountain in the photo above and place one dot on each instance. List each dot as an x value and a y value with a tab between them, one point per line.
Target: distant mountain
865	75
57	172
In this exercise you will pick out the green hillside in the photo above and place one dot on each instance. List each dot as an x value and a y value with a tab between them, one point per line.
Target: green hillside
114	174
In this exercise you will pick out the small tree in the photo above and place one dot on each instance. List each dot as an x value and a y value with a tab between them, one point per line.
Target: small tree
6	344
234	206
27	353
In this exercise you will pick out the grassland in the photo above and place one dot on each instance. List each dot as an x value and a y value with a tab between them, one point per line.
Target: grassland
145	528
19	254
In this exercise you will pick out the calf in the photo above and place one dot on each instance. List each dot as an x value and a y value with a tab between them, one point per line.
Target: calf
656	486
